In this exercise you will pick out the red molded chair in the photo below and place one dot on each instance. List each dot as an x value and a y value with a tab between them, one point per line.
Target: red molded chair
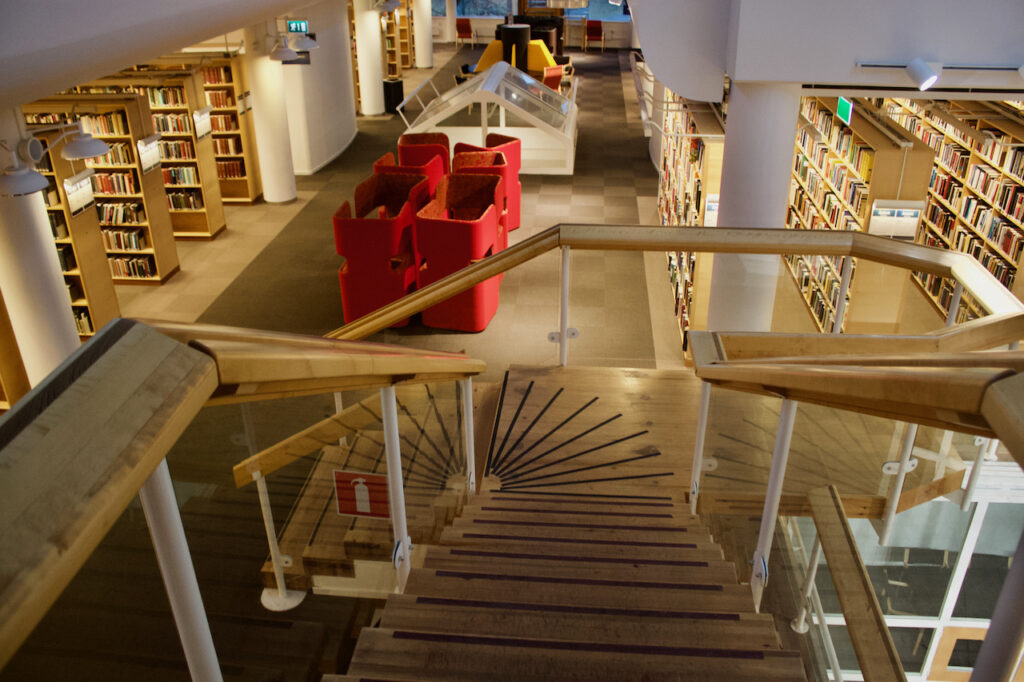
464	31
378	242
553	77
456	229
433	169
511	149
489	163
416	149
595	31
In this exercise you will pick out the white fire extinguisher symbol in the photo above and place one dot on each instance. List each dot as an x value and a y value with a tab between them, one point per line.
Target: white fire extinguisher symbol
362	494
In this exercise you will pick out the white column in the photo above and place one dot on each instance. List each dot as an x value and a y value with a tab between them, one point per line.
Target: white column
270	115
1000	653
449	21
756	165
161	509
368	54
423	33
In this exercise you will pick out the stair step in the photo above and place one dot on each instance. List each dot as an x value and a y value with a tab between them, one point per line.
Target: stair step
598	502
574	510
548	590
601	533
443	656
582	518
579	622
524	563
686	551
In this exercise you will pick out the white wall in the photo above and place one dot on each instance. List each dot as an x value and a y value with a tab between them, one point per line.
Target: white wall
321	102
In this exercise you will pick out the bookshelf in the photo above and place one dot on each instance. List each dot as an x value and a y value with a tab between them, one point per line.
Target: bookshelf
406	39
975	201
391	57
77	237
233	139
839	170
13	378
131	206
355	55
690	176
188	166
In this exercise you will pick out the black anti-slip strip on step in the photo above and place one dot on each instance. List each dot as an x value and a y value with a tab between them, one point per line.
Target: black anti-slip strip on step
526	431
512	424
589	498
519	473
596	526
553	430
571	512
494	429
577	610
590	582
512	469
523	485
35	402
596	647
576	558
582	541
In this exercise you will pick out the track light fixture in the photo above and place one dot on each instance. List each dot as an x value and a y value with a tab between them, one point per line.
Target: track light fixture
923	74
22	178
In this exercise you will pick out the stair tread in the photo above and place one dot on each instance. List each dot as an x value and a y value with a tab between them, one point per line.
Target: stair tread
569	545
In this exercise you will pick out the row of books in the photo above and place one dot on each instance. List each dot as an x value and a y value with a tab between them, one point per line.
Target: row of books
66	257
111	123
114	183
83	322
945	186
230	169
74	289
955	157
180	175
131	266
184	200
223	123
121	213
220	98
172	123
166	97
125	240
58	227
177	150
984	180
215	75
120	154
227	145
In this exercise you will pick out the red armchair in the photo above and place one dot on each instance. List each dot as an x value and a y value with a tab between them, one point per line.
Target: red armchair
489	163
553	77
417	149
459	227
433	169
378	242
511	149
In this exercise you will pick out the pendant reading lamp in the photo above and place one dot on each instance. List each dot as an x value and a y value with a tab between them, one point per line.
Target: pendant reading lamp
22	178
282	52
303	43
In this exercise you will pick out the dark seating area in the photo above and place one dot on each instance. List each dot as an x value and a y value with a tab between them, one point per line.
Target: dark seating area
546	28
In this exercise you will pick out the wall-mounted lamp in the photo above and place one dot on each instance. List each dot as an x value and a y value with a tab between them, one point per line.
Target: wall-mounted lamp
24	179
282	52
303	43
922	73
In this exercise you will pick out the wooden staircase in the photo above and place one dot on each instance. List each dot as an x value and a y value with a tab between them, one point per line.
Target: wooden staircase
572	588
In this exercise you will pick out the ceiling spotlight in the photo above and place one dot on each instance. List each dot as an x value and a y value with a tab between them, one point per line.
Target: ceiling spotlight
303	43
922	73
282	52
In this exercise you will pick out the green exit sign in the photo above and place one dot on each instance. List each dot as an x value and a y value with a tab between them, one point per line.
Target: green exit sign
298	26
844	110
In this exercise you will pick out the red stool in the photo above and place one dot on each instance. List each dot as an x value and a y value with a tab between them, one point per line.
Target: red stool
511	149
456	229
416	149
433	169
378	242
489	163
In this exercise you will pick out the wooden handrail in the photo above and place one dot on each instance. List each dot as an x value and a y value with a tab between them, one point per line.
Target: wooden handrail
976	280
872	641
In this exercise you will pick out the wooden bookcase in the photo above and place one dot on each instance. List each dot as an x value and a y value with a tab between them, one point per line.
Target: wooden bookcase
355	55
690	175
188	165
233	140
78	239
397	44
132	206
13	379
839	170
406	39
391	56
975	201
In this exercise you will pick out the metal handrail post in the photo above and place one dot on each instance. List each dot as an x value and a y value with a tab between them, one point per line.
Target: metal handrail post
698	446
403	543
466	386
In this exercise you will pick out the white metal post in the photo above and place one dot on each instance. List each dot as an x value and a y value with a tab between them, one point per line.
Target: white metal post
830	647
164	520
393	453
698	446
563	323
1001	651
466	386
844	286
249	429
772	496
799	624
339	405
954	304
281	598
906	447
986	451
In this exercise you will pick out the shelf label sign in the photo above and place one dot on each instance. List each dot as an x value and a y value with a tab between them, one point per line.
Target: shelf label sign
844	110
298	26
149	152
202	121
711	211
362	494
897	219
79	191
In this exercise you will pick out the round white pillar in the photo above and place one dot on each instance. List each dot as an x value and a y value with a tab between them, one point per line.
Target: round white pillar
449	21
369	48
423	33
270	116
757	158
